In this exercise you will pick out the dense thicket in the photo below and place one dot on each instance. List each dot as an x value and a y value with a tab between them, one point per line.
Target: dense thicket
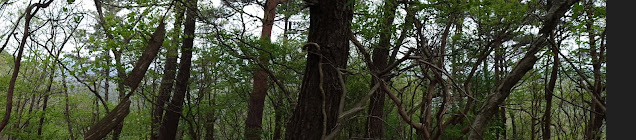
292	69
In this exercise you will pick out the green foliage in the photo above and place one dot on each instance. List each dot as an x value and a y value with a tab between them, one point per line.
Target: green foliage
222	66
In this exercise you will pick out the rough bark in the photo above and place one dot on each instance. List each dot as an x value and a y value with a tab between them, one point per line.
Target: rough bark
556	11
375	121
170	122
318	102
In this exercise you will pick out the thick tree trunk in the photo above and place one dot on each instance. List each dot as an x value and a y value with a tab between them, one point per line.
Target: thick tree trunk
170	123
557	10
375	121
253	123
117	130
328	50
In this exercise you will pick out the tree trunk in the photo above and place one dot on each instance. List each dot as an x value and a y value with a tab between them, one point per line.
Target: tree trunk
278	120
46	100
67	110
597	114
209	125
253	123
513	125
375	121
107	74
121	74
328	50
549	92
169	73
170	123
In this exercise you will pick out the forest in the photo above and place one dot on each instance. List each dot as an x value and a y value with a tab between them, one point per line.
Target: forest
303	69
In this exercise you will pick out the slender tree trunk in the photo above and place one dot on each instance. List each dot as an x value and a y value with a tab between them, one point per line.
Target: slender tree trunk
375	121
169	125
549	92
278	120
328	50
503	120
46	101
597	114
499	65
514	126
19	109
67	110
16	68
209	124
121	74
534	103
253	123
32	102
170	70
107	74
444	88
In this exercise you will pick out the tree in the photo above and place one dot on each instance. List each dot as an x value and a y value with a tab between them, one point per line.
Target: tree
117	115
169	73
168	129
375	124
328	50
259	89
556	11
597	52
487	69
